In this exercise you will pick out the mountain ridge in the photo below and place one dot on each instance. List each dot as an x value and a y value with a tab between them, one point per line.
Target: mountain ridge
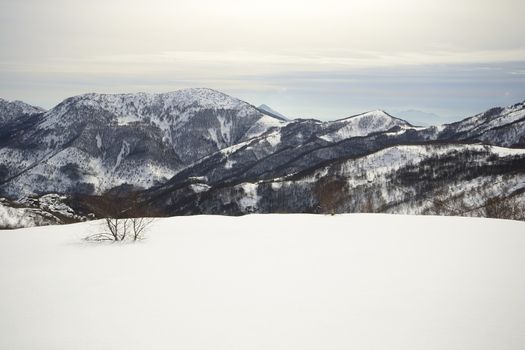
112	136
189	146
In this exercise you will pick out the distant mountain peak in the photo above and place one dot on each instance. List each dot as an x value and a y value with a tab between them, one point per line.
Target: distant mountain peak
12	110
374	114
361	125
378	111
272	112
424	118
22	105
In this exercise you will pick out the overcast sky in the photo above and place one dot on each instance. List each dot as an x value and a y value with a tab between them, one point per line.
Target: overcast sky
323	59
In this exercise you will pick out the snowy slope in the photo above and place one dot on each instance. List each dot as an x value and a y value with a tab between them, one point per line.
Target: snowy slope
268	282
262	125
392	158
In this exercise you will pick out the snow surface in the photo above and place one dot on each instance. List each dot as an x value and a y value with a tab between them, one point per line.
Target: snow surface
99	141
199	188
274	138
229	164
268	282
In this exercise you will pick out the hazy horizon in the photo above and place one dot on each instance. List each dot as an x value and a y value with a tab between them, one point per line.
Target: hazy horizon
311	59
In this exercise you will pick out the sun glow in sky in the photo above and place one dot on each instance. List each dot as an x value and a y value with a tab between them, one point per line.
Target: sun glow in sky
323	59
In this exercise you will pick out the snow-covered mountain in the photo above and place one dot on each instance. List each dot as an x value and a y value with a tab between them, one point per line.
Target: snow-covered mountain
13	111
399	179
94	142
301	145
361	125
497	126
272	112
249	177
201	151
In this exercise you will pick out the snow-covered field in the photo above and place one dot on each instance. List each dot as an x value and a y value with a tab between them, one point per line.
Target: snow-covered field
268	282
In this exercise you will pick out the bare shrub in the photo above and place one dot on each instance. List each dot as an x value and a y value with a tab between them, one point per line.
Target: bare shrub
113	229
139	226
125	220
116	229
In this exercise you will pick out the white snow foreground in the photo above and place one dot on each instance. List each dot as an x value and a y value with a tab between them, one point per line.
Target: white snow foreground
268	282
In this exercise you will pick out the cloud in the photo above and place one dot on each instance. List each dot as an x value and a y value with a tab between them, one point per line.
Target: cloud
332	55
220	64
